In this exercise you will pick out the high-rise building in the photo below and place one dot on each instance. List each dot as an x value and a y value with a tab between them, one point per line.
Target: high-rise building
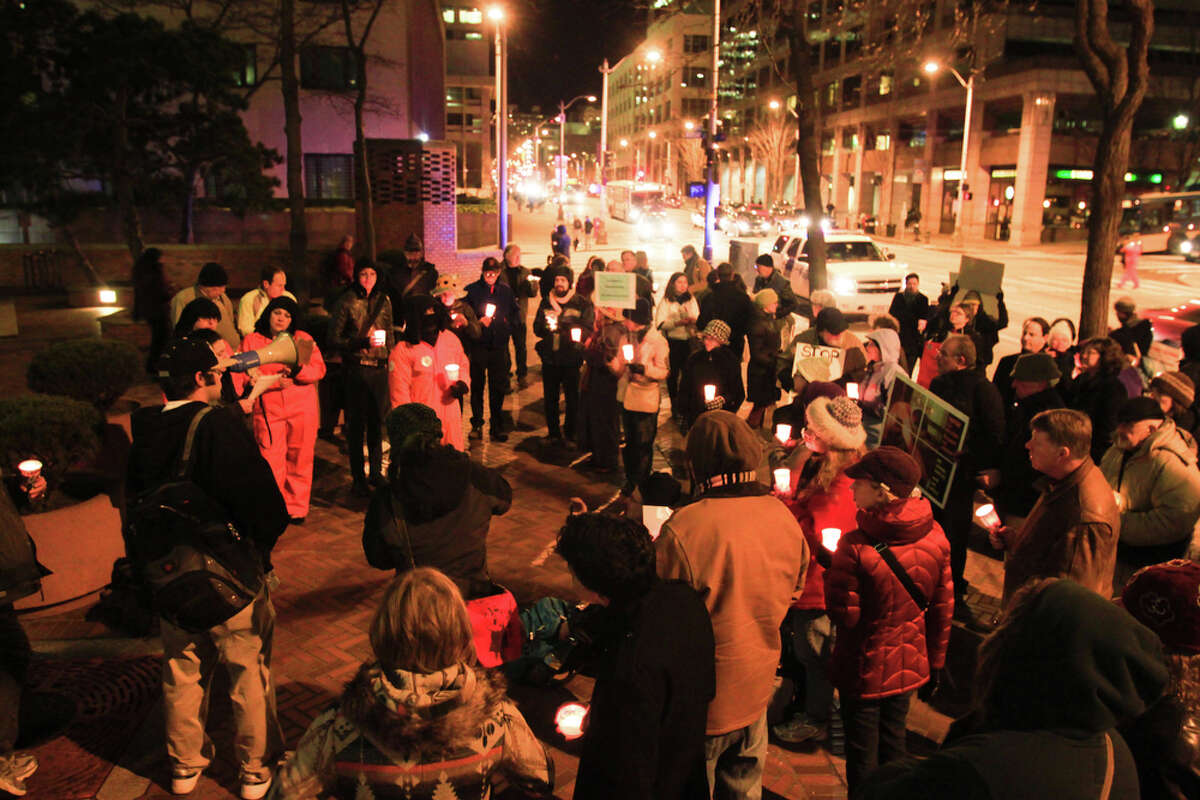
470	93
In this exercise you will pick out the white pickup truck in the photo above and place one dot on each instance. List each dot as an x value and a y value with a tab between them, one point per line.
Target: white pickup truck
862	275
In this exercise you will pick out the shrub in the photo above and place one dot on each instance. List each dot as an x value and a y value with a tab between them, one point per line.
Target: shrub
61	432
97	371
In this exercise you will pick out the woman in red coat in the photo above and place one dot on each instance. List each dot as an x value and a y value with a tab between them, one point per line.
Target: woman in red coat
888	637
820	498
429	366
287	415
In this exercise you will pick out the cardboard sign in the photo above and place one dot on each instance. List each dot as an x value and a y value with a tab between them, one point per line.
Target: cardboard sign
833	355
616	290
985	277
930	430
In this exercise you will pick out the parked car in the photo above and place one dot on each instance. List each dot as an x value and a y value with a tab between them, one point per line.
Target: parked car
654	225
746	223
1190	248
861	274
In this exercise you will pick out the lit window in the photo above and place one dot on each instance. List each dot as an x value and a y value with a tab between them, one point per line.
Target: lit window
470	16
473	35
448	16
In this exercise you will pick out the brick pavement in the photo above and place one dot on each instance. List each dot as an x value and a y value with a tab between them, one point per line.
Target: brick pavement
328	593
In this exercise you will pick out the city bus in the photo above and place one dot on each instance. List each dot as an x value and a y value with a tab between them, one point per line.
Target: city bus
627	200
1165	220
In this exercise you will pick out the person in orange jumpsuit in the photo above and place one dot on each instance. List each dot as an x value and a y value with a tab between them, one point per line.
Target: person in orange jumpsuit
429	366
287	415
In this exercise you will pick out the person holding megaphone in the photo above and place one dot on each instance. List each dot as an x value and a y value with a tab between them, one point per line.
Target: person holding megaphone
286	415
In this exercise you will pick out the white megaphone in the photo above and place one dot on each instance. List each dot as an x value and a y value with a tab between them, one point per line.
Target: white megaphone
283	349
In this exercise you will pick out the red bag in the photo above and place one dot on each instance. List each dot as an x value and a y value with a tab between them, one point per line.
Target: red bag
497	628
928	365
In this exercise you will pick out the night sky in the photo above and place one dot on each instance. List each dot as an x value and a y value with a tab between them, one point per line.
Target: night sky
555	47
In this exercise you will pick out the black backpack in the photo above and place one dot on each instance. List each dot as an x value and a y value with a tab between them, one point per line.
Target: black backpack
200	570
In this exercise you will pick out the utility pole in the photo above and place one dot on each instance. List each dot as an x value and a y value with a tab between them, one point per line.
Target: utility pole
710	189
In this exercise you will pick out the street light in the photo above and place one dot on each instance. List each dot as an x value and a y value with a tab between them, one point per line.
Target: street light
1180	121
968	83
773	105
496	15
562	142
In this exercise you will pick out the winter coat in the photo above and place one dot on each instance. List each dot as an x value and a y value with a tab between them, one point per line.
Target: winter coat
815	509
1165	741
732	306
745	553
970	392
517	279
696	269
668	318
401	284
641	392
1017	492
873	392
464	323
20	572
495	335
1159	486
788	303
987	331
718	367
1135	336
225	326
1071	670
1071	532
1099	396
151	293
645	729
760	371
884	644
556	346
417	374
406	734
349	331
446	502
226	464
908	310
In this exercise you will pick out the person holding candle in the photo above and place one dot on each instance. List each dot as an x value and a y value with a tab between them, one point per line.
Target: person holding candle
892	617
641	367
764	343
517	278
560	322
420	713
287	415
489	355
727	301
884	352
676	317
429	366
714	364
361	330
819	497
599	423
464	323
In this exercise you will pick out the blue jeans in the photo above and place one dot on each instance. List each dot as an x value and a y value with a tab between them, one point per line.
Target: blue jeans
734	761
875	734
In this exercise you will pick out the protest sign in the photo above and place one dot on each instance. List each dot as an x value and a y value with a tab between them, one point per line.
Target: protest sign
985	277
616	289
929	429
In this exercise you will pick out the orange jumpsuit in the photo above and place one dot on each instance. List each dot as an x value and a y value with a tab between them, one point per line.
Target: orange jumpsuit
285	423
417	374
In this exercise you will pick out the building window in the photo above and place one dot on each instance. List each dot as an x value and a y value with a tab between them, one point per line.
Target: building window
454	97
885	83
883	141
695	78
695	44
473	36
247	72
454	120
328	176
695	107
470	16
329	69
448	16
851	91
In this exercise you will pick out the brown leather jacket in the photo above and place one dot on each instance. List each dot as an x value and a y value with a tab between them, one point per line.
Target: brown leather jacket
1071	532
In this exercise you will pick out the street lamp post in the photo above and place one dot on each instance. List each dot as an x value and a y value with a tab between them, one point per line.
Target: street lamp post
496	14
967	83
710	192
562	142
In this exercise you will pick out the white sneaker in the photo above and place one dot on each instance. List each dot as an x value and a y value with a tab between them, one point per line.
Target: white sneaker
253	789
184	781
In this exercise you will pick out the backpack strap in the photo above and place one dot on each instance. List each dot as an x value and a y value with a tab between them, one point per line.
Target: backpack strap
906	580
401	526
185	460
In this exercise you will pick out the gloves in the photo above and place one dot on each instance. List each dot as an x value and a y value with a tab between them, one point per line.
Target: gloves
459	389
637	369
929	689
714	404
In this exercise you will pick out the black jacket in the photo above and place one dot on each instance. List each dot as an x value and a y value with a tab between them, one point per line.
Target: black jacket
722	369
645	735
401	275
354	310
787	298
732	306
446	501
908	310
1017	492
226	463
479	294
517	279
556	347
760	371
1139	335
20	573
1099	396
972	393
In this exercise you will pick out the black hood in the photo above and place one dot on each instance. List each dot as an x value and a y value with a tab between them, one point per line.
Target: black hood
431	483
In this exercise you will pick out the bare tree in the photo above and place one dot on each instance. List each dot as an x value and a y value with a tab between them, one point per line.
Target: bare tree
357	42
691	157
298	231
1120	76
772	143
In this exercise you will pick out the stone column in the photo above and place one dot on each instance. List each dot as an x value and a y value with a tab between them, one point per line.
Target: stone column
857	171
1033	165
974	216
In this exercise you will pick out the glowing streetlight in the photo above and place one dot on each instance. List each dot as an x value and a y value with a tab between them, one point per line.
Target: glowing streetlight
1180	121
624	143
688	125
654	56
773	105
495	13
932	67
967	83
653	135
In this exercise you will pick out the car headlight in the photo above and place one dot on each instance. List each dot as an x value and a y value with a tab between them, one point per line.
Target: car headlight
844	286
1185	246
743	227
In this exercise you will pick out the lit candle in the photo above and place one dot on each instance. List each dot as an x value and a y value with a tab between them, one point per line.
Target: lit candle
710	392
627	351
1120	501
489	310
30	469
379	337
576	334
783	432
452	373
987	517
551	321
783	479
830	538
852	391
568	720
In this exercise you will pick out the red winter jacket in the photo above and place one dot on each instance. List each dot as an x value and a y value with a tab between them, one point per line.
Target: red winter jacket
828	508
885	645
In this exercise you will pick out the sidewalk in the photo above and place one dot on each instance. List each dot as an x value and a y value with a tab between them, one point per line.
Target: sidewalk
113	748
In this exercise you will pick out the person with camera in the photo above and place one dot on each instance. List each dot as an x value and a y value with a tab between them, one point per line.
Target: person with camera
219	459
644	736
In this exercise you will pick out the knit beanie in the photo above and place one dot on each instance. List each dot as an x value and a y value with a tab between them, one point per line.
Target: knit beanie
837	421
213	274
1177	386
765	298
717	329
765	260
1166	599
1064	328
830	320
413	244
1036	368
413	426
721	443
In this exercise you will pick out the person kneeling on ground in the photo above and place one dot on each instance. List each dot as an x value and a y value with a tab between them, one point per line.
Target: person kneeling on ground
419	719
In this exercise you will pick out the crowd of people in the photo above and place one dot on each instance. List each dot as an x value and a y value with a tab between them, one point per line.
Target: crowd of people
839	567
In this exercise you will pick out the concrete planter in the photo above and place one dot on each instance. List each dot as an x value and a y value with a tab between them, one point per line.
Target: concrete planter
78	544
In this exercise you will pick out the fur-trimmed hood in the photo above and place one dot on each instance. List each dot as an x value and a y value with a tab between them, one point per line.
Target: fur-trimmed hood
427	714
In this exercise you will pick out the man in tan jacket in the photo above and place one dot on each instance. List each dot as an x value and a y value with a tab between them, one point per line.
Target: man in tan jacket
740	547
